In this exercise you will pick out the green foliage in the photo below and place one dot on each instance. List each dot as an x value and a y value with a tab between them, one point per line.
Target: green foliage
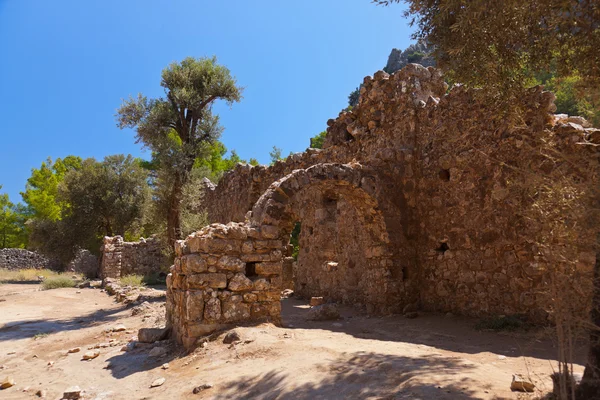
316	142
415	56
97	199
180	127
354	97
571	99
499	46
12	224
41	189
254	162
275	154
295	238
58	282
132	280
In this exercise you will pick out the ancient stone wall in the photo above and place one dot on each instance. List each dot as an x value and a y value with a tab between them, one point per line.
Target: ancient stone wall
224	274
120	258
22	259
419	197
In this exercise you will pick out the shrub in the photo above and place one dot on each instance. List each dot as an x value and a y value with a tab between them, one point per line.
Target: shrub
58	282
132	280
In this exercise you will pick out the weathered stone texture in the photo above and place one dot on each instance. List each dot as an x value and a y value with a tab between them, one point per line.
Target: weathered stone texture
22	259
120	258
419	197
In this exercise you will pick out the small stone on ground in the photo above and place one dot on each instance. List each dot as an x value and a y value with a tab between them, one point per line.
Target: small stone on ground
231	337
200	388
158	382
521	384
90	355
6	383
72	393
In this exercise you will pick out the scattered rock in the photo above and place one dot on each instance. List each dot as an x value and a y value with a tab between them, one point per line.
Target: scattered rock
50	363
232	336
84	285
337	325
74	350
411	315
95	284
316	301
165	366
449	315
200	388
323	312
158	382
90	355
157	351
287	293
151	335
41	393
521	384
119	328
6	383
72	393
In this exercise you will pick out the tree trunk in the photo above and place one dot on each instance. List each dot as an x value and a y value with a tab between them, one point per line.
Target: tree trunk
174	212
590	383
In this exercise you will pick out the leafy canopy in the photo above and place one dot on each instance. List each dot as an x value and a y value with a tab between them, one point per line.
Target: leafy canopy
501	45
42	187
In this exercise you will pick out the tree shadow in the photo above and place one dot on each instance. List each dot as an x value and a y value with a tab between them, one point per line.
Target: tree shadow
138	360
15	330
457	334
361	375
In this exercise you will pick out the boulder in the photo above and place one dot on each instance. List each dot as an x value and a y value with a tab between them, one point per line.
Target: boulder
231	337
151	335
72	393
316	301
521	384
6	383
158	382
90	355
323	312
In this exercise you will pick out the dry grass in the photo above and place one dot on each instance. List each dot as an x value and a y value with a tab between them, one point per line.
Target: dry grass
26	275
50	279
132	280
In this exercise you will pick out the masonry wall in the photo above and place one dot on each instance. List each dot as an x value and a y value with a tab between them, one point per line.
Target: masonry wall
22	259
120	258
423	197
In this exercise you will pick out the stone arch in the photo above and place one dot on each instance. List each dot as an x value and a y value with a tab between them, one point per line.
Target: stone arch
364	259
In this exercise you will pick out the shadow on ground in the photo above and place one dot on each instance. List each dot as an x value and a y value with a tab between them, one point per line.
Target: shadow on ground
359	375
455	334
30	328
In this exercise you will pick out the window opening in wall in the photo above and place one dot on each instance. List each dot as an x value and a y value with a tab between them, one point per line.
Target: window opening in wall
443	247
294	240
404	273
250	269
444	174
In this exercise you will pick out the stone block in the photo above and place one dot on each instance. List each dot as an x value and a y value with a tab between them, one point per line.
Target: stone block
240	283
193	264
212	280
269	268
194	305
212	310
235	311
229	263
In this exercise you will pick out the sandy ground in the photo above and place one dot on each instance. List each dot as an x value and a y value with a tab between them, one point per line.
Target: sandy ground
430	357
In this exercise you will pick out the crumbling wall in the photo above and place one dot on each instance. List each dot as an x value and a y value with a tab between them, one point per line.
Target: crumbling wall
22	259
223	274
418	197
120	258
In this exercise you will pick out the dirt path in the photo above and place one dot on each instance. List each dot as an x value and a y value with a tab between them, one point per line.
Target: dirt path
431	357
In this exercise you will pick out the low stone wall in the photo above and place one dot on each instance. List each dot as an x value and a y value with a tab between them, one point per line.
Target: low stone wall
22	259
120	258
224	274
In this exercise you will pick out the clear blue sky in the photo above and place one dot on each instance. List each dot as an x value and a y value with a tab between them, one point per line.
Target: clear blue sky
66	65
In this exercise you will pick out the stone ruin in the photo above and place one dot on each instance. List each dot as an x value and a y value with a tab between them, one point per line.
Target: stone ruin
416	199
15	259
120	258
